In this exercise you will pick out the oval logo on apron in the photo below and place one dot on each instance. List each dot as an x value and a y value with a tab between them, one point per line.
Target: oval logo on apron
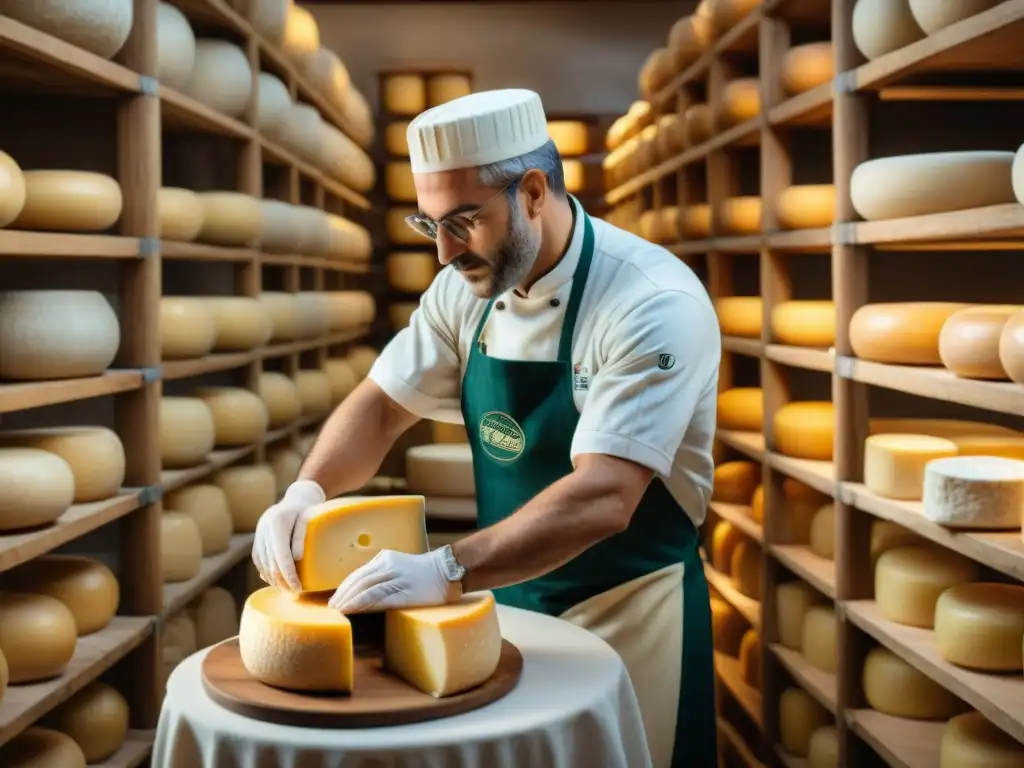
501	437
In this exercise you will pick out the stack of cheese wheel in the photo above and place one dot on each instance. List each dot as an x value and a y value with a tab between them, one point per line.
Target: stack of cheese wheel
95	719
215	616
741	409
207	505
87	587
250	491
800	716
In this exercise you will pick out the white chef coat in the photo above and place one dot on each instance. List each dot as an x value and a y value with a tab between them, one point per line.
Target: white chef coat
645	354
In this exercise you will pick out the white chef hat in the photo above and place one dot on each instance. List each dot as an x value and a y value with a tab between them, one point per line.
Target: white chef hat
477	129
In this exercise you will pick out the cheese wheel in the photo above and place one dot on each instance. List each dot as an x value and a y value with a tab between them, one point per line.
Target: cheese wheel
340	157
281	397
180	631
671	136
180	211
400	313
398	231
295	642
655	72
187	432
698	124
823	749
823	532
727	627
327	74
208	506
894	465
750	659
757	505
444	432
931	16
350	309
741	215
726	14
969	341
793	599
280	228
395	138
56	334
36	488
893	687
741	101
886	536
440	469
286	463
239	416
404	94
740	316
95	455
187	328
804	323
181	547
274	102
981	626
411	271
745	569
972	741
980	492
799	717
215	614
268	17
800	503
283	310
348	240
574	175
1011	348
37	636
314	392
12	189
735	481
741	408
301	34
724	540
688	39
806	206
805	430
989	445
86	586
571	137
934	182
398	182
230	218
221	77
342	379
99	26
695	221
96	718
807	66
37	747
882	26
903	334
909	580
251	490
362	359
818	638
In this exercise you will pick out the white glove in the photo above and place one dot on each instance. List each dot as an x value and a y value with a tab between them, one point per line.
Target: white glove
394	580
279	541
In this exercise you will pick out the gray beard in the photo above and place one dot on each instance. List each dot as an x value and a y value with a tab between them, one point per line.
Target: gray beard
514	258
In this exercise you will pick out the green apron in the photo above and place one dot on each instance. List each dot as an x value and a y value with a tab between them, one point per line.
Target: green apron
520	417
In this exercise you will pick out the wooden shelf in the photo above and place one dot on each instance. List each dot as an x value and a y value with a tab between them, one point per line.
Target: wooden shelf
23	244
901	742
740	748
791	761
821	685
739	517
136	750
817	474
815	570
180	594
731	675
749	608
36	394
748	443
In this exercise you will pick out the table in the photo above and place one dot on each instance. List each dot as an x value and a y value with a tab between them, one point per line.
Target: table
573	707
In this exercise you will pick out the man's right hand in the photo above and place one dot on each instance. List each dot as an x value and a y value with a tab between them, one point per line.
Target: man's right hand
279	542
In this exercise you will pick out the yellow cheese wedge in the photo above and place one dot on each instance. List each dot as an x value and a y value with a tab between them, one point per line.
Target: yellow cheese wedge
444	649
345	533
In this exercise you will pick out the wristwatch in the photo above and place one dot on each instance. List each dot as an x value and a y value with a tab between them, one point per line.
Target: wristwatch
453	571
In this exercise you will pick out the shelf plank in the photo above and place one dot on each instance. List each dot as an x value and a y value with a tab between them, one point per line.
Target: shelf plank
180	594
742	346
791	761
748	443
22	705
197	366
17	548
901	742
821	685
170	479
800	240
731	736
731	674
748	608
739	516
820	475
183	113
36	394
1000	698
135	751
807	358
969	226
181	251
817	571
808	109
52	245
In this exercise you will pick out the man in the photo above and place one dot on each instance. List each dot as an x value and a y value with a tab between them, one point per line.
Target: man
586	362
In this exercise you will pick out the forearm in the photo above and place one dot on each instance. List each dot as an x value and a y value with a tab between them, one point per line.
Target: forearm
355	439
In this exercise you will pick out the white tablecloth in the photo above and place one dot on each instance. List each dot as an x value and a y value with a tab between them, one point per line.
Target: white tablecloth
573	707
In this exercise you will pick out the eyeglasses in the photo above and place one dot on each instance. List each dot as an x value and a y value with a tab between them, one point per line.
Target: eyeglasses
458	226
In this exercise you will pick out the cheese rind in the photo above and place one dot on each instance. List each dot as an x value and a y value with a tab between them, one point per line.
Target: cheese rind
970	740
793	599
981	626
87	587
975	492
750	658
893	687
805	430
799	717
804	323
727	627
894	465
735	482
37	747
343	534
96	718
741	408
440	469
37	636
904	333
818	638
909	580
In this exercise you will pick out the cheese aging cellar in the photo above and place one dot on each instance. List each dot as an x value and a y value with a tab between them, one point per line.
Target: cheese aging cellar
512	384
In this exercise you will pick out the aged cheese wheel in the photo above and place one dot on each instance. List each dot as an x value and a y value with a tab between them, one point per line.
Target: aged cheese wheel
906	333
735	481
818	639
800	504
181	547
230	218
698	122
741	101
286	463
395	140
316	231
242	323
251	490
726	14
400	313
274	103
807	66
1011	347
741	215
893	687
181	214
327	74
207	505
302	133
740	316
37	636
187	432
571	137
314	314
805	430
972	741
981	626
671	136
934	182
96	718
404	94
655	72
804	323
301	34
741	408
283	310
806	206
411	271
399	232
98	26
969	341
280	227
931	16
983	492
793	599
823	749
69	201
37	747
95	455
886	536
87	587
398	182
909	580
180	631
727	627
882	26
894	464
724	540
750	658
440	469
757	505
745	569
342	378
799	717
823	532
361	359
688	39
12	189
314	389
175	46
348	240
350	309
216	617
239	415
187	328
281	397
221	77
574	174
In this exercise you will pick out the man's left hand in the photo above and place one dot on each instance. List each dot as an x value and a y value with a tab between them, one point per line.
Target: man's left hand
394	580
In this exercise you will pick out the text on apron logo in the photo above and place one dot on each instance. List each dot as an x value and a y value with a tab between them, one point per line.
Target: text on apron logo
666	361
501	437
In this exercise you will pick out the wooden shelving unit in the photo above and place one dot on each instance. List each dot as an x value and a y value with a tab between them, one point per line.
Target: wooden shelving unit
147	132
945	91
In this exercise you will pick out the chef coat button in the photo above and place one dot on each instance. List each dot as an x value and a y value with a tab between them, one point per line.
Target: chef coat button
555	302
499	305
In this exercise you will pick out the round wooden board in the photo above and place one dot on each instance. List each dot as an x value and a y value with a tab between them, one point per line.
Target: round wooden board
379	698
